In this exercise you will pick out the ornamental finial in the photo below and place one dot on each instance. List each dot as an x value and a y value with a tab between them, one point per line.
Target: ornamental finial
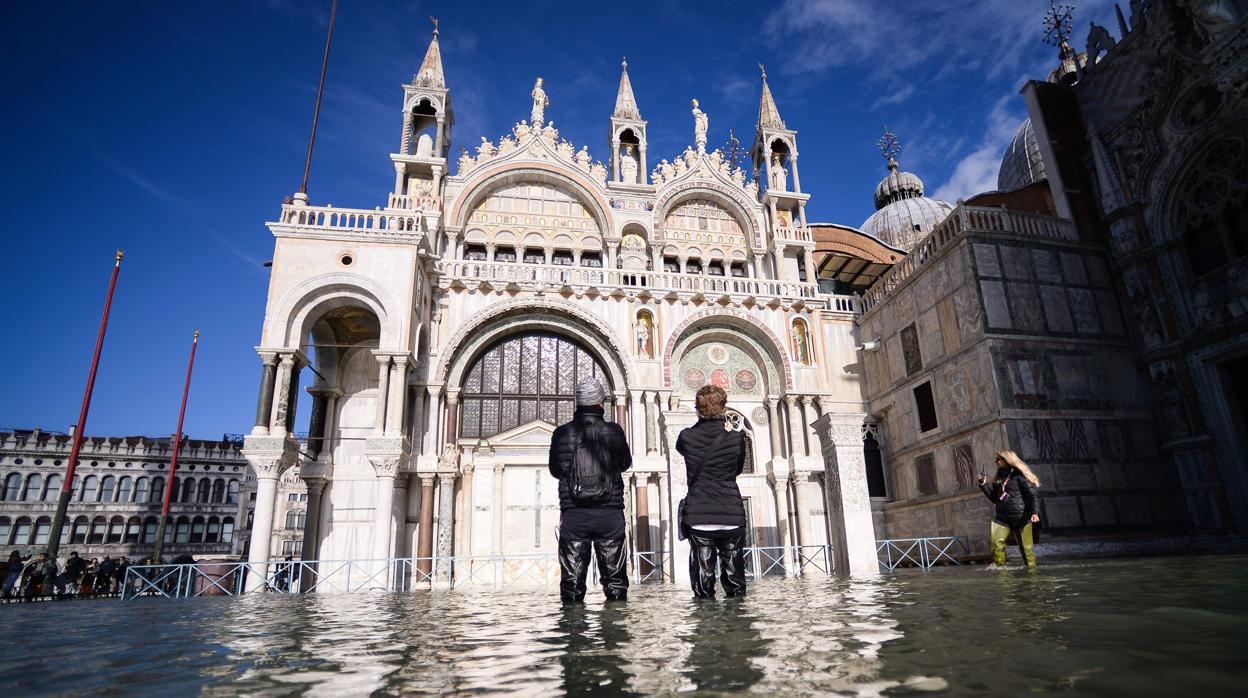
1058	23
890	147
624	63
763	69
435	24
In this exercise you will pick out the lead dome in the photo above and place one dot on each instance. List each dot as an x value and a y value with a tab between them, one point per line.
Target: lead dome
903	214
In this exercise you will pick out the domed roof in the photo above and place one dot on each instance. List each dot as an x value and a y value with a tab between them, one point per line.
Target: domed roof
903	223
897	185
1021	164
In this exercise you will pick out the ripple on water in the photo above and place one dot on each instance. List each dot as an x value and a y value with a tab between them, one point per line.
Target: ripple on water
1115	627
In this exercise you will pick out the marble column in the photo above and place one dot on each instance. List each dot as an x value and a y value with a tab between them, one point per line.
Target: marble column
642	483
808	256
281	395
424	544
316	426
268	468
446	526
652	422
405	143
383	391
675	485
386	468
264	404
452	417
621	412
292	397
848	504
397	391
499	509
417	431
801	501
311	532
637	422
808	420
782	522
773	421
795	426
433	430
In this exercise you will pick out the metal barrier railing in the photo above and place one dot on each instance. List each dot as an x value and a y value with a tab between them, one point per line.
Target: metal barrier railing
924	553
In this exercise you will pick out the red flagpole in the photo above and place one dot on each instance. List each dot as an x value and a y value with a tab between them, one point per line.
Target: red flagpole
173	462
62	505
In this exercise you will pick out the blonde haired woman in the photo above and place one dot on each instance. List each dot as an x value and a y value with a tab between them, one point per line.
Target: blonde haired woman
1013	493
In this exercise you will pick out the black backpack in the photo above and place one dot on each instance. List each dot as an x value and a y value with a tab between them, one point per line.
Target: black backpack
590	482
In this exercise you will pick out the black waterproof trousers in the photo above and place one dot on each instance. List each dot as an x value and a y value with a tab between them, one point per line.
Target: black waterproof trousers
708	547
603	531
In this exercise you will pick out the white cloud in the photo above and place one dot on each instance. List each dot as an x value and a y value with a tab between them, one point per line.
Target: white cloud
977	172
894	97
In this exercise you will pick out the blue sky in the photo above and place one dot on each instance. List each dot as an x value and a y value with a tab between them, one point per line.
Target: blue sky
173	130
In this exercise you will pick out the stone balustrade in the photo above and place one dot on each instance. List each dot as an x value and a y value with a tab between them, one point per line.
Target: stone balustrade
962	220
301	220
407	202
792	234
552	275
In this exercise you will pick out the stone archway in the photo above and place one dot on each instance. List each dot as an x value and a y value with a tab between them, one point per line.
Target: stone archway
762	338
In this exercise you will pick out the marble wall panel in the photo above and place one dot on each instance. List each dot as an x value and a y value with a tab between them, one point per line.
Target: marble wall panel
1098	272
1074	374
1046	266
957	408
896	364
911	354
1056	309
1074	478
1098	511
1083	309
948	319
1016	262
986	260
1025	306
931	341
1111	319
995	305
970	319
1133	509
1061	512
1109	476
1073	271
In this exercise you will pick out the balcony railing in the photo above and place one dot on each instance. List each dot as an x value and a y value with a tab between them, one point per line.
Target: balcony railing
414	203
350	222
967	219
792	234
504	273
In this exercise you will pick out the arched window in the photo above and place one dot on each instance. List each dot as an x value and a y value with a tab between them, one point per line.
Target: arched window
21	532
90	488
251	518
218	491
295	519
116	530
12	488
183	531
82	526
34	483
522	379
158	491
227	529
205	491
52	488
107	485
149	529
6	527
876	484
43	525
99	530
75	488
134	529
1211	211
232	492
141	490
213	533
123	488
188	490
197	529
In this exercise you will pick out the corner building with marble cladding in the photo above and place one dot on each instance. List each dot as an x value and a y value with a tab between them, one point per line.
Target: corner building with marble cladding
874	369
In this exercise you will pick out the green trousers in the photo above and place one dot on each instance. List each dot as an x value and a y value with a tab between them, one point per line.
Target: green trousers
999	532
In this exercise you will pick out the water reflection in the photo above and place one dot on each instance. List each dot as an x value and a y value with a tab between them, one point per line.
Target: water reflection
1116	627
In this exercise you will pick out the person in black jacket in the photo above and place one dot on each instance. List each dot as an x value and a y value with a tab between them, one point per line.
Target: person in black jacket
587	455
1013	493
714	513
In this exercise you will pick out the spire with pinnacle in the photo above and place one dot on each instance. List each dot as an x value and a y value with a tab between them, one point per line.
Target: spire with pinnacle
430	74
625	102
768	114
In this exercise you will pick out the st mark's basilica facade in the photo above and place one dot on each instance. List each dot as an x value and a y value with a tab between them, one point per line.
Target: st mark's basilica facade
874	368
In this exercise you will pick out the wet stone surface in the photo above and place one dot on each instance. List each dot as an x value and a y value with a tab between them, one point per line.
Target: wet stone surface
1155	626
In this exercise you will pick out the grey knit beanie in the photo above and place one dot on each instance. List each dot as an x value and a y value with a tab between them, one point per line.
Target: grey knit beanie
590	392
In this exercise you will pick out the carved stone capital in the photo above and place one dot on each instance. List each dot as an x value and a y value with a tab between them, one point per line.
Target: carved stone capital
801	477
790	400
270	456
386	465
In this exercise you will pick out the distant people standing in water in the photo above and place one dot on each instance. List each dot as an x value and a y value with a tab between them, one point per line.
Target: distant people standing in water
587	455
1012	491
713	513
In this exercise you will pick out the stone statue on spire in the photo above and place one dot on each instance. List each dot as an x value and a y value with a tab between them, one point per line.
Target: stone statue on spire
700	123
540	102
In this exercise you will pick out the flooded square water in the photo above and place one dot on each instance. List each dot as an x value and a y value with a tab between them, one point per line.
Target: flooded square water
1155	626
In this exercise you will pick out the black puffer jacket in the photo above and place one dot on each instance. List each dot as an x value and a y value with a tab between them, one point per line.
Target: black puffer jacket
611	447
1022	502
714	498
